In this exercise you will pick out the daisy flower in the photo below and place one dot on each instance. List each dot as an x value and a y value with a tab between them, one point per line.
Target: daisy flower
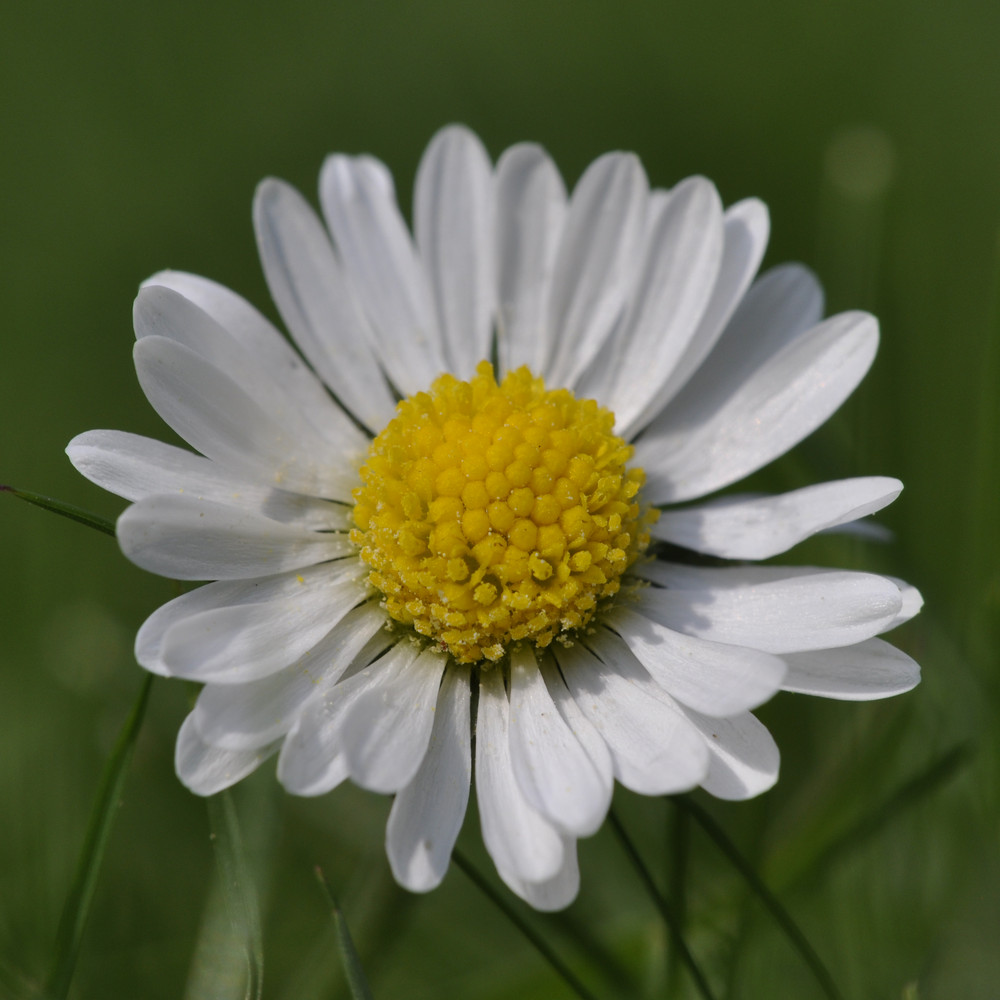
449	540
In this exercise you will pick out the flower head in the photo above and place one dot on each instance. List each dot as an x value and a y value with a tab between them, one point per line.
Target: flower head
460	504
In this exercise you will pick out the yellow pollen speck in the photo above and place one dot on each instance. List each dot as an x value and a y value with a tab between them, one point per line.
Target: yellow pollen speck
491	514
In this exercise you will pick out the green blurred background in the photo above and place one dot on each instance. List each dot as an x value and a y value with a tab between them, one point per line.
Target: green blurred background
133	136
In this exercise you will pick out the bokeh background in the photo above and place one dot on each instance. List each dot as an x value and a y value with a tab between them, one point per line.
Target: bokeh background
132	138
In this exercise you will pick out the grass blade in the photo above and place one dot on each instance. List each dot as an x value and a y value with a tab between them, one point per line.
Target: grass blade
666	910
536	940
81	894
781	916
74	513
926	782
355	974
238	888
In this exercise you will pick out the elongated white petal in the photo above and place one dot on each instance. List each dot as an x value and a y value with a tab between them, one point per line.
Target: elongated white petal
136	467
655	749
530	212
161	312
312	759
746	228
781	305
215	415
235	593
555	893
704	443
775	608
868	670
552	768
427	814
244	716
385	736
383	268
259	338
186	538
672	293
711	677
236	632
594	268
453	226
324	774
520	841
316	302
912	601
207	769
737	527
581	727
743	757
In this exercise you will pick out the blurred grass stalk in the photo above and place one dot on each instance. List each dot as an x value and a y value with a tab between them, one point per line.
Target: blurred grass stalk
81	894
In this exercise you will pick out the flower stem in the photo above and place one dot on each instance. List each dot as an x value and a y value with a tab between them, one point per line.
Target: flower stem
81	894
781	916
666	911
511	914
69	510
355	974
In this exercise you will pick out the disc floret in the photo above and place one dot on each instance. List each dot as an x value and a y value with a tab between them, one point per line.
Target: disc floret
496	513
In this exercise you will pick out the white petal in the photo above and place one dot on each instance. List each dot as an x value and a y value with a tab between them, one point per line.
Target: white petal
711	677
746	227
453	226
136	467
316	303
655	749
782	304
149	639
551	766
520	841
552	894
215	415
250	634
712	435
186	538
161	312
737	527
581	727
912	600
379	259
385	736
427	814
871	669
673	291
743	757
778	609
207	769
260	339
244	716
530	212
594	267
312	759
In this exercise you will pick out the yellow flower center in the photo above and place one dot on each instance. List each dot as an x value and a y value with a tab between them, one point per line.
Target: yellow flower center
491	514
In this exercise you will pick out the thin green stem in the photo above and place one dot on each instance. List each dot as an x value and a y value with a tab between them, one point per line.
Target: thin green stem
81	894
238	888
940	770
666	910
680	843
355	974
539	943
781	916
74	513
